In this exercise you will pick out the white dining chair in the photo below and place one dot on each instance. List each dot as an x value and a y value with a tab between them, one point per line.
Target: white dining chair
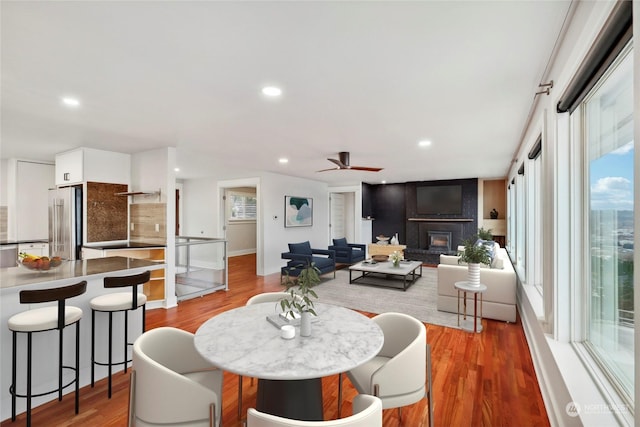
171	383
367	412
400	374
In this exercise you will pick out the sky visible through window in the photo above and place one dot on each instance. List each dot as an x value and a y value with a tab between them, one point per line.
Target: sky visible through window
612	180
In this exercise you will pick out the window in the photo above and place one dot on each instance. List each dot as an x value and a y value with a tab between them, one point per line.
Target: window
608	183
241	206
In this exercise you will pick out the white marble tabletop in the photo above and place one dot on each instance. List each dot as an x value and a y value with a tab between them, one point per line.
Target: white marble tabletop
468	287
243	342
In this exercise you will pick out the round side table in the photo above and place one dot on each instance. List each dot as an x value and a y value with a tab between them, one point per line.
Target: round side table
464	287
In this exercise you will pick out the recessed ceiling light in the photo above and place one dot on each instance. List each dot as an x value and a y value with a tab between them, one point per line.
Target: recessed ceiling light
271	91
384	182
424	143
70	102
283	160
176	169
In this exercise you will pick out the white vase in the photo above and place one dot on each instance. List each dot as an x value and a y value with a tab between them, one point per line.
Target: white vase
394	239
305	324
473	274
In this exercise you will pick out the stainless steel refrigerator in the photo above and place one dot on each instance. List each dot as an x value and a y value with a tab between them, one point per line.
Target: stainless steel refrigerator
65	222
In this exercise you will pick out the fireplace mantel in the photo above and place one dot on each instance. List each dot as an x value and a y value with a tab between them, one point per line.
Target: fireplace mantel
441	219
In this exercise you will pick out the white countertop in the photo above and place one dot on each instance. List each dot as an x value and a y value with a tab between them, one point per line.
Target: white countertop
73	271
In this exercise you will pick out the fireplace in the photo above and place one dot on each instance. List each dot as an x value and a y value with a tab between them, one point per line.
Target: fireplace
439	241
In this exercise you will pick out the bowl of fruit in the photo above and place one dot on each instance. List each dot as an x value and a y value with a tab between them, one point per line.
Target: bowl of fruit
39	263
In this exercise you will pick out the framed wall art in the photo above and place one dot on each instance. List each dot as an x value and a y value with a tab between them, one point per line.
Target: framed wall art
298	211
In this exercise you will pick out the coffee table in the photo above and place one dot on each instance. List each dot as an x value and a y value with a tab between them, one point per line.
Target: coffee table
385	274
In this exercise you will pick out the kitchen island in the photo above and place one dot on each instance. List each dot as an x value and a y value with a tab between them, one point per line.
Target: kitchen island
15	279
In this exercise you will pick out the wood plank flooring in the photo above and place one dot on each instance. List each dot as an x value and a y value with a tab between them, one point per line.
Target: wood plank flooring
482	379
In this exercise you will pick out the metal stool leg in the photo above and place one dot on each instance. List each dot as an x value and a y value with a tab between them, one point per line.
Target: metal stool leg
93	347
110	349
126	338
29	379
78	367
60	362
13	377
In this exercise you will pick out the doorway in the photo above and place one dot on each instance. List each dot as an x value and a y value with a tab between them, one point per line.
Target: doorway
342	222
251	185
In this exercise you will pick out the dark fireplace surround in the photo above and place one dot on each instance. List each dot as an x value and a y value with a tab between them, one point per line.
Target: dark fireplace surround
394	208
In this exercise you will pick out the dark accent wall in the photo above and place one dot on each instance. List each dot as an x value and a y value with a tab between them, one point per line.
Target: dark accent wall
392	205
389	210
367	211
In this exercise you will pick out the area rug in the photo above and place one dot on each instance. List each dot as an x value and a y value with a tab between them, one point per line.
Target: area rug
418	301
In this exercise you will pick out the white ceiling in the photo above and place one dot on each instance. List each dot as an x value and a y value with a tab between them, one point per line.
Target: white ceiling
372	78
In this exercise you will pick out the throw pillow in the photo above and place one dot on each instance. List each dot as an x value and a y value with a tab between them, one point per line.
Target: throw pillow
303	248
340	242
491	247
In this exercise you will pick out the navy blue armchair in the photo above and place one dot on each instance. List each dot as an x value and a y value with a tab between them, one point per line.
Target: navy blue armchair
348	253
301	255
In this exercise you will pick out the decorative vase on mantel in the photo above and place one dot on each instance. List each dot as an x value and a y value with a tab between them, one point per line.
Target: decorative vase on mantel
473	277
305	324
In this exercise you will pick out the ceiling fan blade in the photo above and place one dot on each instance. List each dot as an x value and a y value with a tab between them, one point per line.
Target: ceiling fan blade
364	168
331	169
338	162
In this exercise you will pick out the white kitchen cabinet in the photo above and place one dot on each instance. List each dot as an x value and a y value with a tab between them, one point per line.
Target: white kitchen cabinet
38	249
88	164
27	198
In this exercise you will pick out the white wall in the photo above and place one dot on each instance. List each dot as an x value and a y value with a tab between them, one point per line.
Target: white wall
153	170
203	213
275	236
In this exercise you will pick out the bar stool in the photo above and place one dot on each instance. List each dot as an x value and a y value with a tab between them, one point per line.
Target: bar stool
113	303
41	320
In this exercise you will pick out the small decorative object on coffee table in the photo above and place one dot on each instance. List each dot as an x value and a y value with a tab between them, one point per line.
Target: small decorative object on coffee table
464	287
395	258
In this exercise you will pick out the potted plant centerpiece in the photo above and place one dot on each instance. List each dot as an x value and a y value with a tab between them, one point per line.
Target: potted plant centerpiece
474	254
301	292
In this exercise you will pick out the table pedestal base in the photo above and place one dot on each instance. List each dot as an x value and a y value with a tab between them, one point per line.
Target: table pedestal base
296	399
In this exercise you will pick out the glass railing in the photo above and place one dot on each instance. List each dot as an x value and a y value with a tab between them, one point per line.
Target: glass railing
201	266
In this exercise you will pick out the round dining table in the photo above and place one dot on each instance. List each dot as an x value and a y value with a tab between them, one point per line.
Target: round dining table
289	371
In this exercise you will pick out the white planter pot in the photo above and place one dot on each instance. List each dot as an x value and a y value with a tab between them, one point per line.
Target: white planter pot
473	274
305	324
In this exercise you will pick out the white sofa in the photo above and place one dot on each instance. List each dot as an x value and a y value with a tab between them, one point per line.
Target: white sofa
499	300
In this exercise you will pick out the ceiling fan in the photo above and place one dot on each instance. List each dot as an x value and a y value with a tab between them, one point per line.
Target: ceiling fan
343	163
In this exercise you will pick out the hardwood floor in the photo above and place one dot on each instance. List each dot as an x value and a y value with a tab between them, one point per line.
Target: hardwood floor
482	379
